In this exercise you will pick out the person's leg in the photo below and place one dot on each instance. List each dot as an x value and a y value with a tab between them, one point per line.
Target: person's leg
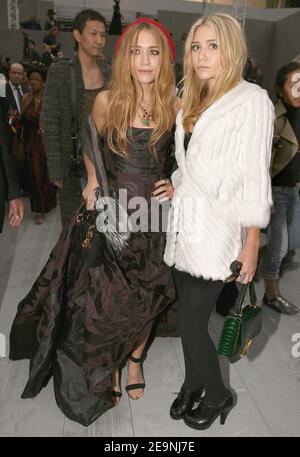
277	243
277	247
227	298
197	299
293	217
288	263
135	373
116	388
293	221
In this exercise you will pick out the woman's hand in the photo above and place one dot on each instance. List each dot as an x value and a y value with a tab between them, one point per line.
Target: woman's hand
248	257
89	194
15	212
163	190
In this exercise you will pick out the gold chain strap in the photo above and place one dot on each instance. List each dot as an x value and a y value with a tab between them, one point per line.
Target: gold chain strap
86	244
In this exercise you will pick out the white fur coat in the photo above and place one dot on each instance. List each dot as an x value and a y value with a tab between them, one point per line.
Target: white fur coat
222	184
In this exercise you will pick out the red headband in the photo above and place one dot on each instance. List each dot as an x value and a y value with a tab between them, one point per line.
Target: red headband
156	24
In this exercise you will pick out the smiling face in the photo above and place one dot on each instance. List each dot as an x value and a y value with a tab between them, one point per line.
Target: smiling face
145	57
92	39
206	55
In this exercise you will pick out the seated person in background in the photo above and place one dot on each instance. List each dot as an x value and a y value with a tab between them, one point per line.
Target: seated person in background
32	55
51	40
32	23
47	57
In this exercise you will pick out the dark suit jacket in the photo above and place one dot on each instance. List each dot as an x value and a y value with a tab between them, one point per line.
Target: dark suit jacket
9	187
57	114
10	97
57	123
11	104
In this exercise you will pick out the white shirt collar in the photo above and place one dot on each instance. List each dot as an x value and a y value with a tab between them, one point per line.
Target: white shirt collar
15	87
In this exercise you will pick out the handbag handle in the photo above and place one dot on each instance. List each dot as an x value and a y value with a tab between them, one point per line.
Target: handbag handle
235	268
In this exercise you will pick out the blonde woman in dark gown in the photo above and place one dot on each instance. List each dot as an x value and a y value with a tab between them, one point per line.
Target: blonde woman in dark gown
91	310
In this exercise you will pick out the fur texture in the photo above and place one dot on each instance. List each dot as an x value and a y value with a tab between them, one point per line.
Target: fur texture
222	184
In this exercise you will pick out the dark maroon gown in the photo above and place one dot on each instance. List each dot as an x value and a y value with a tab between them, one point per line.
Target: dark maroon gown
87	311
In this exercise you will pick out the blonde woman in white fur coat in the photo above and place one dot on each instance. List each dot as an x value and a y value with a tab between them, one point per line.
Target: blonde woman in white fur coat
222	198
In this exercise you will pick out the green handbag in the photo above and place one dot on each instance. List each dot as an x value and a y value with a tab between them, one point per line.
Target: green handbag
242	325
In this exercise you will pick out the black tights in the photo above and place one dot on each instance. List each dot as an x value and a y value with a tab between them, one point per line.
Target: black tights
197	298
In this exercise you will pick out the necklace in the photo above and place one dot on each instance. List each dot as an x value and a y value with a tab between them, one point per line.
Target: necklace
147	117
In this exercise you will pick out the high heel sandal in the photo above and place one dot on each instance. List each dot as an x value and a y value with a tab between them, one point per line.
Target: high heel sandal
140	385
204	415
116	397
116	394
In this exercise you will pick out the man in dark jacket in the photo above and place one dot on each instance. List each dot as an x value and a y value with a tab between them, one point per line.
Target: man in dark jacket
51	39
32	23
90	76
9	188
51	21
14	94
14	91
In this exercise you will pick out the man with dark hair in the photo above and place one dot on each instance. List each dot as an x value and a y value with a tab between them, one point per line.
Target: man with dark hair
14	94
90	75
51	39
30	54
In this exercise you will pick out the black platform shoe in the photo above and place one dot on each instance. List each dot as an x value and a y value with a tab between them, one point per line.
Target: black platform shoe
204	415
184	402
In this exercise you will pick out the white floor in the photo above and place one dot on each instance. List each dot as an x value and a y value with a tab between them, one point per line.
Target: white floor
267	381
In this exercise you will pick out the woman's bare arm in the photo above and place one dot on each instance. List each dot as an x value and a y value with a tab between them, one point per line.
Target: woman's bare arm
99	117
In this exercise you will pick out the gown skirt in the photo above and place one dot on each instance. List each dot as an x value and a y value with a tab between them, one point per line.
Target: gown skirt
88	309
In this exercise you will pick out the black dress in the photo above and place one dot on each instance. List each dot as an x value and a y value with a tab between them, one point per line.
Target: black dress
85	314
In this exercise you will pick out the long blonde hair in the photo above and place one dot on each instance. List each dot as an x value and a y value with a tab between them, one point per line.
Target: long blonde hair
196	97
123	93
